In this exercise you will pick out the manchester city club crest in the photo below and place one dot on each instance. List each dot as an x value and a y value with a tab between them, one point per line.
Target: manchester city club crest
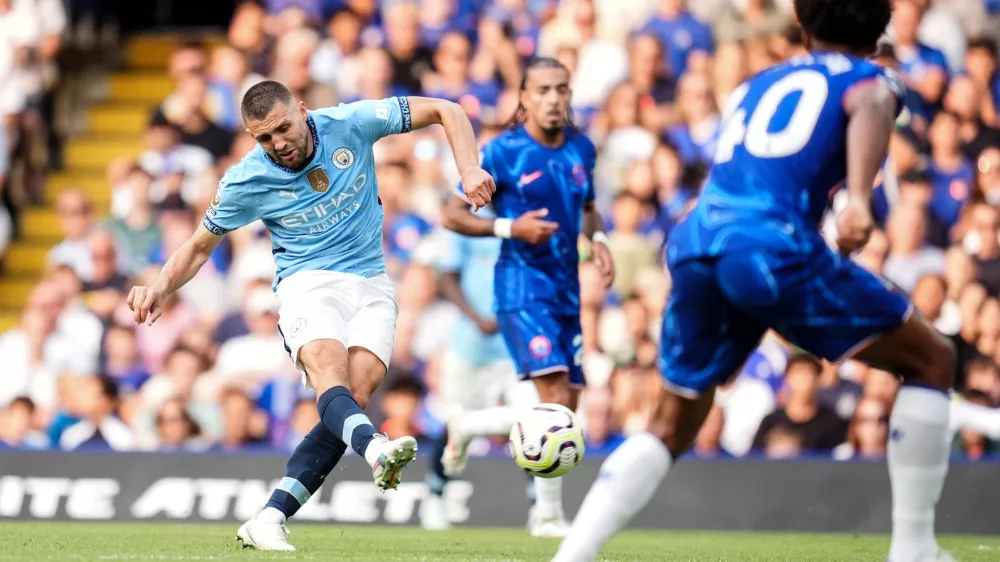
343	158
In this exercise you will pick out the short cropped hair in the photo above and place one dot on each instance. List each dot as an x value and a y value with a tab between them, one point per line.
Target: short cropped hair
805	359
261	97
857	24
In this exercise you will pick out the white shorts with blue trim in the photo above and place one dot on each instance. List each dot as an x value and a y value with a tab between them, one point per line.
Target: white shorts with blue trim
354	310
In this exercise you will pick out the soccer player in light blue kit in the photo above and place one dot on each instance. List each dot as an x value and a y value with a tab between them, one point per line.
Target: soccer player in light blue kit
749	257
477	371
311	180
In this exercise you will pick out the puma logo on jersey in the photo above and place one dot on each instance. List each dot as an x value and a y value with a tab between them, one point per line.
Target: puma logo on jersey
528	178
288	194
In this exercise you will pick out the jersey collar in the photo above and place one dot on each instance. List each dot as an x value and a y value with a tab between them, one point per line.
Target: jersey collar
309	159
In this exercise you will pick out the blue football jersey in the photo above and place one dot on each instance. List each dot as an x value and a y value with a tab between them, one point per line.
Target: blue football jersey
781	154
531	176
326	216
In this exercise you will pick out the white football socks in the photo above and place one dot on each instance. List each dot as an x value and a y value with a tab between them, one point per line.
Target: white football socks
918	463
627	481
491	421
966	415
548	498
271	514
374	449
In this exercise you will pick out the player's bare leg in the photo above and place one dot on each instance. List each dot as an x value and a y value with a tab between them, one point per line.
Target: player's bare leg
632	474
919	435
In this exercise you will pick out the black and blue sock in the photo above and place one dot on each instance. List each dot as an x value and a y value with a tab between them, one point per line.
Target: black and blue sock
311	461
345	419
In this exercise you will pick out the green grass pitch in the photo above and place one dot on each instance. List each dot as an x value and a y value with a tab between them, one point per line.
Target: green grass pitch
167	541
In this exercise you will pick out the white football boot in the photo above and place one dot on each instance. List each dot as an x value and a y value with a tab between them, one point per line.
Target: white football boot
264	535
552	527
395	455
434	513
456	452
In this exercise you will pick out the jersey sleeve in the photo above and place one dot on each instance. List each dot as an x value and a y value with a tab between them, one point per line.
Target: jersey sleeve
894	82
232	207
884	76
380	118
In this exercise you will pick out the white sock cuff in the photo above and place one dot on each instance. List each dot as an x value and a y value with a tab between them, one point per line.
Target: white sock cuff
925	405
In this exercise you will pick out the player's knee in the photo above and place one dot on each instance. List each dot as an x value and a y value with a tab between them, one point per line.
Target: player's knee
325	363
553	389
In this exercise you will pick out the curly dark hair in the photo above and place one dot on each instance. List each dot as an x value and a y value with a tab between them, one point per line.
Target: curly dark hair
857	24
538	62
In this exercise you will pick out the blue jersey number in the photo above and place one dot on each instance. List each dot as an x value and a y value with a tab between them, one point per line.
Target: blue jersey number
752	131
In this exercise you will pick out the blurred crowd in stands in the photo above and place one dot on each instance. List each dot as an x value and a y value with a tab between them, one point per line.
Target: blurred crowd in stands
649	77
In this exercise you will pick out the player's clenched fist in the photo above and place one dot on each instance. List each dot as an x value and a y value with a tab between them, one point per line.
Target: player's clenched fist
854	226
146	303
532	228
479	187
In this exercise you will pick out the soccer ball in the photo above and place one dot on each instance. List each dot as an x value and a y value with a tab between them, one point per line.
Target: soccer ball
546	441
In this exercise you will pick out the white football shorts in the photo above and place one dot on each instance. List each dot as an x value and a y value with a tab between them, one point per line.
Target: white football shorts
354	310
477	387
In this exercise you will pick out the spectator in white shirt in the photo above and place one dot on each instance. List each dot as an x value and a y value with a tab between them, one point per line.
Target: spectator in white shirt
34	354
175	166
260	355
910	257
101	428
77	221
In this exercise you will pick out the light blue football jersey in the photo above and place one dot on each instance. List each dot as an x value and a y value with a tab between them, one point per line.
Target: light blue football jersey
474	260
326	216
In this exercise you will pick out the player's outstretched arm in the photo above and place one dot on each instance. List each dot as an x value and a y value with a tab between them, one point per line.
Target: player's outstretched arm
476	182
872	110
459	218
529	227
147	302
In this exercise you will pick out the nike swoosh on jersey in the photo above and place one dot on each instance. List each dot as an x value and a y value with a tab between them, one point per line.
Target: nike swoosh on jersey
528	178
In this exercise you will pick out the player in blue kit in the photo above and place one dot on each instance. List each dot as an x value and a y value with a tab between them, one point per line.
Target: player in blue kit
477	372
543	203
749	257
311	180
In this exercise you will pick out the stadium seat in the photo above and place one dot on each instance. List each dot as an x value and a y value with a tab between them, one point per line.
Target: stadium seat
118	119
